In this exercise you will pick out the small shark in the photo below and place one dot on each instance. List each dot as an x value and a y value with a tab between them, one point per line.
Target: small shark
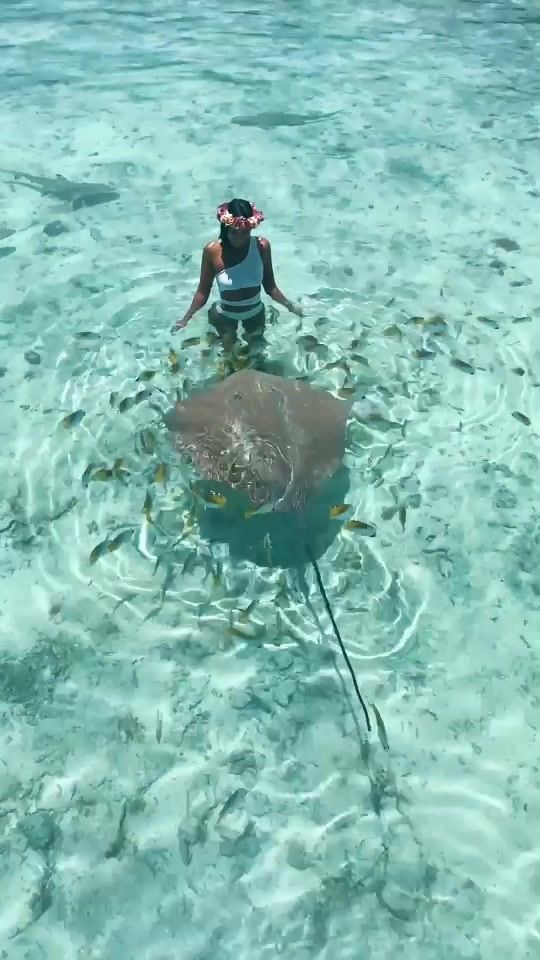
267	121
77	194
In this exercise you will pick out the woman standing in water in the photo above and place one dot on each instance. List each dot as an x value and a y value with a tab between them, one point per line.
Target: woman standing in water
240	264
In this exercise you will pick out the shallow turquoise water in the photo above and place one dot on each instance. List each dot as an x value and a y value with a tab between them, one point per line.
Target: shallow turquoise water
253	826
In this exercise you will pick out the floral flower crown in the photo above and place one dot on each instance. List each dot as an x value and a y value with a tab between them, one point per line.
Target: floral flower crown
239	223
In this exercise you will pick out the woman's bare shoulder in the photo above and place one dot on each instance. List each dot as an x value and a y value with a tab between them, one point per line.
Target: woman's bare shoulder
212	253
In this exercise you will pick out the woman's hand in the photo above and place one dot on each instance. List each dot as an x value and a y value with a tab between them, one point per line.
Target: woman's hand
296	309
179	325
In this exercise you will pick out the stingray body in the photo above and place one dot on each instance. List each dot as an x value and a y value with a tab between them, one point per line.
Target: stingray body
276	439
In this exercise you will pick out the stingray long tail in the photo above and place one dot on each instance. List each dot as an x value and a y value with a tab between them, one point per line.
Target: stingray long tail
324	595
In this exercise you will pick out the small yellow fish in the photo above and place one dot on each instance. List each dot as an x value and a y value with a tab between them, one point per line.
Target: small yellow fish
113	398
434	319
214	499
117	541
85	479
147	506
99	550
118	469
489	322
126	404
423	354
87	335
191	342
368	528
308	342
142	395
402	514
358	358
148	440
72	420
55	608
345	392
235	632
381	730
244	614
462	365
240	363
393	331
256	511
174	364
161	474
519	370
190	519
339	364
104	473
224	368
339	509
522	417
146	375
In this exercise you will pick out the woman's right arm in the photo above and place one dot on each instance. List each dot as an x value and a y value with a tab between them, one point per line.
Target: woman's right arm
202	292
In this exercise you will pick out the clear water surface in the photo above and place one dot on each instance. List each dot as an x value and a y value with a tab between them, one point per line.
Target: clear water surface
169	787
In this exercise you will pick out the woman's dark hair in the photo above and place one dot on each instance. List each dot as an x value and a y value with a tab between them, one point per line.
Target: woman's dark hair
238	208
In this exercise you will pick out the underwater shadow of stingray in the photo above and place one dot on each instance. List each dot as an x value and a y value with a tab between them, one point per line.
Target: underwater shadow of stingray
273	539
276	441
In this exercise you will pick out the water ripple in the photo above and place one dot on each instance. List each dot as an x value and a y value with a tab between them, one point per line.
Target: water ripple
208	781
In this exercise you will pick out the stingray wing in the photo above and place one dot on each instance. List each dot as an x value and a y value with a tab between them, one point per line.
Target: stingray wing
313	430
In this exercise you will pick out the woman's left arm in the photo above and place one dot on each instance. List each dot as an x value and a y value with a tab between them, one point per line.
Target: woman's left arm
269	282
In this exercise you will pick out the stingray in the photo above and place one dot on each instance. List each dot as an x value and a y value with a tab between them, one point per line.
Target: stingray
78	194
270	120
276	440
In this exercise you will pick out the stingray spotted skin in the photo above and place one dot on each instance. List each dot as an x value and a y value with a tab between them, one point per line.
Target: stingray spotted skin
277	439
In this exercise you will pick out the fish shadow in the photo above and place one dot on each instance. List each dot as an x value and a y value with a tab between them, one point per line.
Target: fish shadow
94	199
273	119
75	194
276	539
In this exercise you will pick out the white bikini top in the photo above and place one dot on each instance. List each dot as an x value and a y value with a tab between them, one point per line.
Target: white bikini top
247	273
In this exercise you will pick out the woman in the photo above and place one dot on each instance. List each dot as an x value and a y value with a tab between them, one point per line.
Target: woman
241	264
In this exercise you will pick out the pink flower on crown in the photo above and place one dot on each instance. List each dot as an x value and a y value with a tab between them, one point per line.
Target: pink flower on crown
239	223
